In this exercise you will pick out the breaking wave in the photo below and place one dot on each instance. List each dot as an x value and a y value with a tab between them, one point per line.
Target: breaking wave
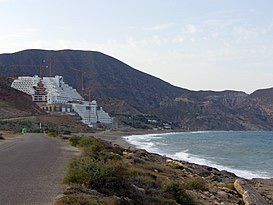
185	156
146	142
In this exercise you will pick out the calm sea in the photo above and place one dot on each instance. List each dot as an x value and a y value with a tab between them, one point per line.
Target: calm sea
247	154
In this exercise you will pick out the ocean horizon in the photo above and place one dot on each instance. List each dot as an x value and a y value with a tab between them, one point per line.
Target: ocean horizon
248	154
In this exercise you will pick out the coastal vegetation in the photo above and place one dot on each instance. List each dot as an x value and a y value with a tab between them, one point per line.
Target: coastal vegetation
109	174
117	176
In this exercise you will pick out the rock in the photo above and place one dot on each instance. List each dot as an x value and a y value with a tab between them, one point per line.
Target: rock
139	189
230	191
212	197
216	203
128	154
216	178
58	200
125	153
222	194
204	173
175	164
249	194
178	165
265	187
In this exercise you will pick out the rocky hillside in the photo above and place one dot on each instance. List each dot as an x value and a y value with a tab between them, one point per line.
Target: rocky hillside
121	89
14	103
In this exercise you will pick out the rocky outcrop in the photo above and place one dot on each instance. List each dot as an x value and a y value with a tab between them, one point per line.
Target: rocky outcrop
265	187
249	194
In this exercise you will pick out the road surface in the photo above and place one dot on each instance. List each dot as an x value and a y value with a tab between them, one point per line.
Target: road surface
31	169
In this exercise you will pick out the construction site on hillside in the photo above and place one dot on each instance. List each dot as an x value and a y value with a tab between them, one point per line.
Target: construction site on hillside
52	94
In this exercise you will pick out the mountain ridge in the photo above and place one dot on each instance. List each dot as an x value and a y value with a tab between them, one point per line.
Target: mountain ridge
121	89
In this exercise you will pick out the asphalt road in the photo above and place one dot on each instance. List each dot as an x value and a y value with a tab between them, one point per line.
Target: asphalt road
31	169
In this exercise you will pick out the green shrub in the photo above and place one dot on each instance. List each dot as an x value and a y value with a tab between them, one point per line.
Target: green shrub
106	156
52	132
163	201
75	141
92	151
91	147
178	193
197	184
66	132
104	177
86	141
80	201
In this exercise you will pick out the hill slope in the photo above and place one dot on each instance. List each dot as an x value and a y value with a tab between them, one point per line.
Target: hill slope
14	103
123	89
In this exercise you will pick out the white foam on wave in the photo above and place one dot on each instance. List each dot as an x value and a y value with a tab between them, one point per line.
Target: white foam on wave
145	142
200	132
185	156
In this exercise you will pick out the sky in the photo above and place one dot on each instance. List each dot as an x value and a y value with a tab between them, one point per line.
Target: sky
194	44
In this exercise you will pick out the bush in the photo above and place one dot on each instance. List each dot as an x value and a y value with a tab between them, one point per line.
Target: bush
66	132
51	132
178	193
104	177
106	156
91	147
197	184
75	141
80	201
86	141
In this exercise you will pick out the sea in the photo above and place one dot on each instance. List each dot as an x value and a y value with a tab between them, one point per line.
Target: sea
246	154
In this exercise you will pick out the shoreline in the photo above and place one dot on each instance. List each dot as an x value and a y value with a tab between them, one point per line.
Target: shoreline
216	177
117	137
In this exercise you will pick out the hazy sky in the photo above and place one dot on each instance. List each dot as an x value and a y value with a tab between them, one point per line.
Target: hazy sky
196	44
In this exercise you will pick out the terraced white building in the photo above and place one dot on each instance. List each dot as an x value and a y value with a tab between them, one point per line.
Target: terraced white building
91	113
53	90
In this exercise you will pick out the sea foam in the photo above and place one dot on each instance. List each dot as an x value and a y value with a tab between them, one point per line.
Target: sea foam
147	142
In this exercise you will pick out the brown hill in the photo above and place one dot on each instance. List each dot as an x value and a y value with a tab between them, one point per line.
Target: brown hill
14	103
122	89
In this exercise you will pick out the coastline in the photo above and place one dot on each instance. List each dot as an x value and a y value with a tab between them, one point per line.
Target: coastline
117	137
212	174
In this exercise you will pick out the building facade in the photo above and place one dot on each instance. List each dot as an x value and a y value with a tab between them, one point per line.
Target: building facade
92	113
53	94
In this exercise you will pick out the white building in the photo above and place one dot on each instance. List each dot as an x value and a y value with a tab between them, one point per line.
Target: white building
53	90
57	90
26	84
91	113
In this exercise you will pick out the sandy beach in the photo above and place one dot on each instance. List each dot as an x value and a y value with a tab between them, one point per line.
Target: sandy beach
116	136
